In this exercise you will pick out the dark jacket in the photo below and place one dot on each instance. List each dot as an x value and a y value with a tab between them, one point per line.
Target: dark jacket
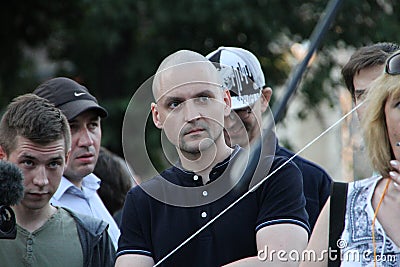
97	248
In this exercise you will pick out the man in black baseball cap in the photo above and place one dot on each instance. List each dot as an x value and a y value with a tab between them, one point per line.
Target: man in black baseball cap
78	188
69	96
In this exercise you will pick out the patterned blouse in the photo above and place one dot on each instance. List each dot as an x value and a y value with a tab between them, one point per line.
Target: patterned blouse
356	240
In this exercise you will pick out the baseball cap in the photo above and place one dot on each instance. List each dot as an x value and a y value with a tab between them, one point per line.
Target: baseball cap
69	96
241	73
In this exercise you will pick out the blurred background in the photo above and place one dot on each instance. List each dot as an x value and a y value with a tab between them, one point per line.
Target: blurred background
113	46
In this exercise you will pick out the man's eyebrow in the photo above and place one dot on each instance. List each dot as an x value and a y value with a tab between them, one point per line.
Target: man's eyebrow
91	118
95	116
171	99
205	92
56	158
28	156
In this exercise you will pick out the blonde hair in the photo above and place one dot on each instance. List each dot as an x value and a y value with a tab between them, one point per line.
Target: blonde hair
374	121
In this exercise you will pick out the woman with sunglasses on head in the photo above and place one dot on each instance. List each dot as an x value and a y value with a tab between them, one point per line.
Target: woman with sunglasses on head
359	225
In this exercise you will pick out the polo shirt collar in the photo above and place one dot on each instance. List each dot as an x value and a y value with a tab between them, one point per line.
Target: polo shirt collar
180	176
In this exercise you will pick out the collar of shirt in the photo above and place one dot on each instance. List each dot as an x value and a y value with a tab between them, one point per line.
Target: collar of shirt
90	184
180	176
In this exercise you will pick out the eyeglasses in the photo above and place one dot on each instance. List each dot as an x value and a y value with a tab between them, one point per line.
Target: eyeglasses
393	64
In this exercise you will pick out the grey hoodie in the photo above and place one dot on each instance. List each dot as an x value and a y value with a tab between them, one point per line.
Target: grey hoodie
97	248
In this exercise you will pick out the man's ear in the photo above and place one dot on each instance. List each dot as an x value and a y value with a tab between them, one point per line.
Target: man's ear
3	154
228	102
266	94
67	159
156	116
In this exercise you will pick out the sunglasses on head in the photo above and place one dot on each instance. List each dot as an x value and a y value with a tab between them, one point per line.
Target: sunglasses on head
393	64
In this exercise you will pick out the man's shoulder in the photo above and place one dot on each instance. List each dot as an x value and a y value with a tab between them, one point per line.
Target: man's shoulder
91	224
282	168
307	167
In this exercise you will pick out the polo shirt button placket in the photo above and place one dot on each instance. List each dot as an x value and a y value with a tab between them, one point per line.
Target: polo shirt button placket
29	249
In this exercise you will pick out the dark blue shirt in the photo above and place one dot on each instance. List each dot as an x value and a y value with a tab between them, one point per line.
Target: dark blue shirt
151	227
316	183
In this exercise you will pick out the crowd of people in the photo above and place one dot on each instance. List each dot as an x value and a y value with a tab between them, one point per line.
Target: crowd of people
235	196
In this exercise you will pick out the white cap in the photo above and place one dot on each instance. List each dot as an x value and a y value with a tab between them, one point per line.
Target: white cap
241	73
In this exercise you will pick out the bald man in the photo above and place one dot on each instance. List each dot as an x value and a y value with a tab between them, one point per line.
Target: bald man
190	107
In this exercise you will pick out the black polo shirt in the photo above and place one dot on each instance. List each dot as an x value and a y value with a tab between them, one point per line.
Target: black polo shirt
151	227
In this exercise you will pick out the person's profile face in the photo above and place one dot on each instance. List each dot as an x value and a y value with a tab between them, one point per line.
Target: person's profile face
362	81
85	145
191	108
242	126
392	115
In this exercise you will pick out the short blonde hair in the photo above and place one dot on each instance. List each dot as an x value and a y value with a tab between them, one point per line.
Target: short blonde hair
374	122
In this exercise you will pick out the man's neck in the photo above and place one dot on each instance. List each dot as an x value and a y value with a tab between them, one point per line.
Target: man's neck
75	181
30	219
205	161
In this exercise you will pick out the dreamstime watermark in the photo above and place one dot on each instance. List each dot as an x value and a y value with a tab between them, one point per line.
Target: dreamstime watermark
324	255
